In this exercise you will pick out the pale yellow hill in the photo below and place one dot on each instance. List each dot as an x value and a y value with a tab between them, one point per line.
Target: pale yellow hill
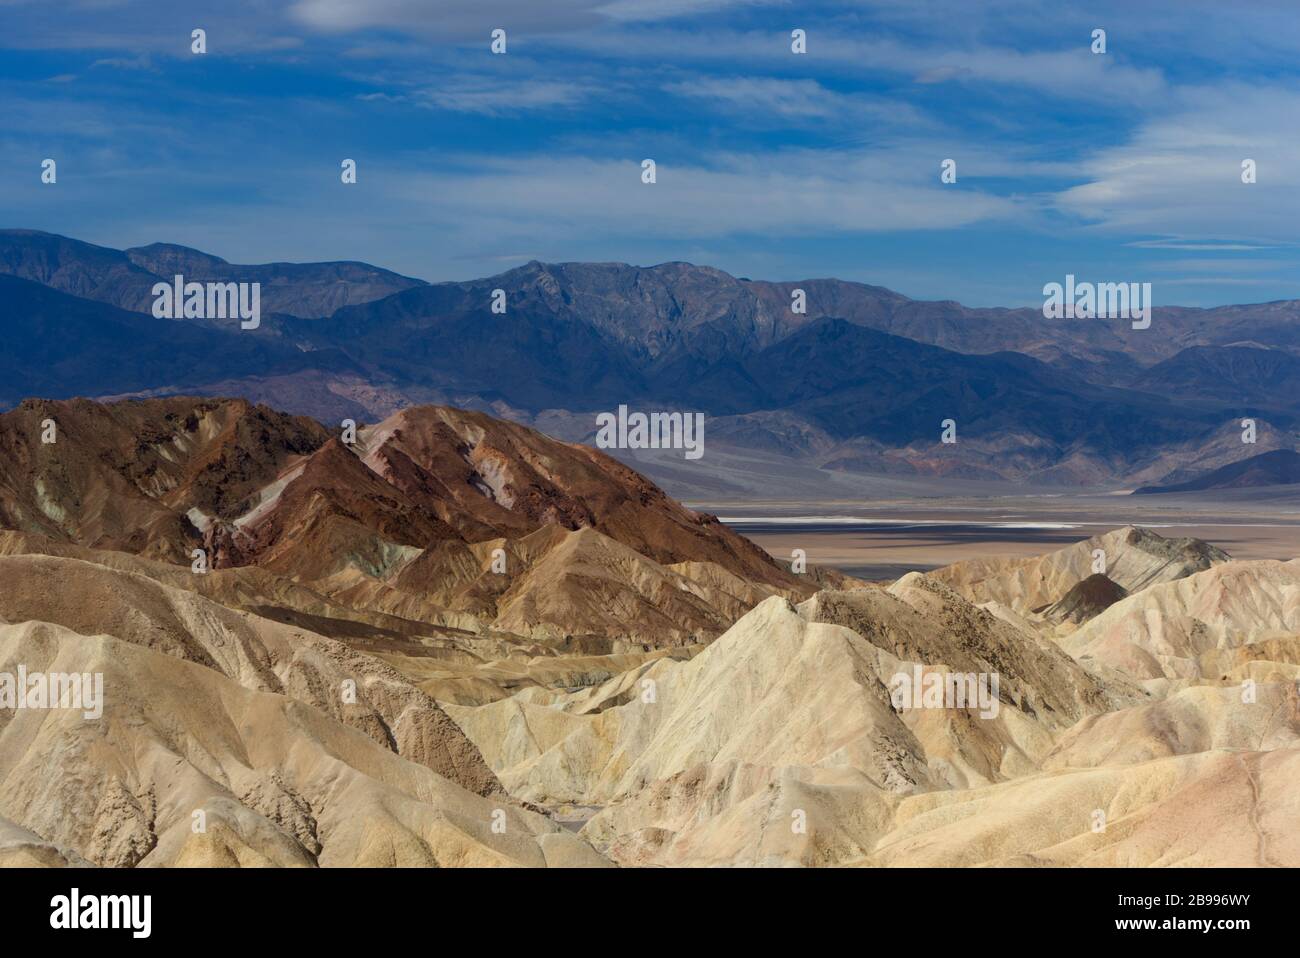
1193	628
276	782
21	848
778	745
1220	808
1197	719
559	583
256	653
755	696
784	708
1134	558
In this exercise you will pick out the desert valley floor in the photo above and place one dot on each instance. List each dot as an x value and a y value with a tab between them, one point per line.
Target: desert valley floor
885	539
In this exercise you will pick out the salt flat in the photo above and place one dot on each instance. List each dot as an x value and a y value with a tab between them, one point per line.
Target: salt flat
885	539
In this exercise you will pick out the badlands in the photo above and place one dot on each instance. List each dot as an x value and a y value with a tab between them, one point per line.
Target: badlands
451	640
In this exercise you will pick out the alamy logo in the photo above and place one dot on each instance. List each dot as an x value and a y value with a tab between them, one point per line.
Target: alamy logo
53	690
181	300
658	430
945	690
1098	301
103	911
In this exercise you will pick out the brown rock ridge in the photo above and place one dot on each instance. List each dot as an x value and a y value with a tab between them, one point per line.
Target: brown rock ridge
500	479
398	523
158	476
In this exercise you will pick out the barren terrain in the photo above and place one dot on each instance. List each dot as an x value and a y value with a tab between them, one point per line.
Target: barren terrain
450	640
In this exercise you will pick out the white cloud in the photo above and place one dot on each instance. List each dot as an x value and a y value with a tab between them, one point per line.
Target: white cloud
497	97
1071	73
643	10
440	17
1180	174
794	193
758	100
1217	281
141	62
754	95
421	17
1245	264
1193	246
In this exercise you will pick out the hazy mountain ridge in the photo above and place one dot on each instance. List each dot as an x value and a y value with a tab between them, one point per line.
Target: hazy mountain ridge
125	278
61	345
861	382
1277	467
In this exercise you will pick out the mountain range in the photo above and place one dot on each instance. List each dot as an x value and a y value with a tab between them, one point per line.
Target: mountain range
862	382
1277	468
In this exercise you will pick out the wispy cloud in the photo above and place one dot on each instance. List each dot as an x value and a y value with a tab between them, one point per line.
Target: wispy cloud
1070	72
443	18
1195	246
761	101
647	10
790	193
141	62
492	97
1182	172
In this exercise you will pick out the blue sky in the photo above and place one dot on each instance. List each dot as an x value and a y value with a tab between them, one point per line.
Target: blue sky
1116	167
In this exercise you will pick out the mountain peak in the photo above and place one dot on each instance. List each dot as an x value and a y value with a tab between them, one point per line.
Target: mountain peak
162	258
